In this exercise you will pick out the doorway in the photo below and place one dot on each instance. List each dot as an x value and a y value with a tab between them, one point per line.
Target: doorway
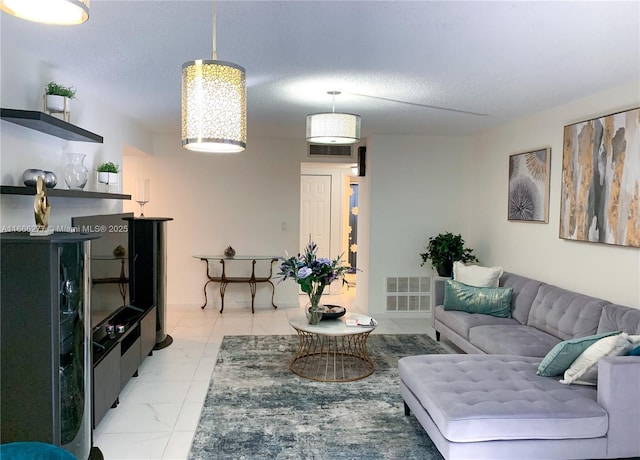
325	210
352	231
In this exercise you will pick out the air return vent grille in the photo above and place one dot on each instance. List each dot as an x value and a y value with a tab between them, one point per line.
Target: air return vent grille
329	150
408	293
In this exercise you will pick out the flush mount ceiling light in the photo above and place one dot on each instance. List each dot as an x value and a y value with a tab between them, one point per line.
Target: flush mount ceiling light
56	12
333	127
214	104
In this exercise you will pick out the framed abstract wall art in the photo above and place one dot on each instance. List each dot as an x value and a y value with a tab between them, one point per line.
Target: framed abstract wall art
529	186
600	195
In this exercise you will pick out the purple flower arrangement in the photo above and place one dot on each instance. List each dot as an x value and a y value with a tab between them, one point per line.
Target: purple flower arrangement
313	273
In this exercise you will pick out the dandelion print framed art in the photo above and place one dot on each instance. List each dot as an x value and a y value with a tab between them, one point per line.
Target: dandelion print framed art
529	186
600	194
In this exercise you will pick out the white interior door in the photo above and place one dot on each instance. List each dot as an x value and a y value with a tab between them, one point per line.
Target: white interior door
315	213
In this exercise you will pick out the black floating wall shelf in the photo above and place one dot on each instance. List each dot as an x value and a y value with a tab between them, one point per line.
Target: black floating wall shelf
45	123
19	190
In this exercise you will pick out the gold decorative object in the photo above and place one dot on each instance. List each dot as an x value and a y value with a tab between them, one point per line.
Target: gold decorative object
41	207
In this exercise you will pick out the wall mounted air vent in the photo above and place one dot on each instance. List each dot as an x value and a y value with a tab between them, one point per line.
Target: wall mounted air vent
326	150
408	293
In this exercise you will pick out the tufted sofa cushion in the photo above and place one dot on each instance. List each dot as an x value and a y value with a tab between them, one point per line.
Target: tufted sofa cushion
565	314
461	321
524	292
620	318
514	340
510	403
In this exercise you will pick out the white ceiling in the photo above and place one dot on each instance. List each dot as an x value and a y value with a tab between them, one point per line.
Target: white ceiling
502	58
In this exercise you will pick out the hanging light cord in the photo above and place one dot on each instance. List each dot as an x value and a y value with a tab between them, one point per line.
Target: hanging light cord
333	94
214	55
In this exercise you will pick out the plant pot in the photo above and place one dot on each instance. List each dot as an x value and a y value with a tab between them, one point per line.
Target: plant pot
107	178
445	269
57	103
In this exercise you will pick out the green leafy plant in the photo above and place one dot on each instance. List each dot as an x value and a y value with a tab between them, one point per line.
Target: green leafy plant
444	249
54	89
108	167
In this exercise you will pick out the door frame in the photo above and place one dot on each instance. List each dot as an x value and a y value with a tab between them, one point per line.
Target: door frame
340	175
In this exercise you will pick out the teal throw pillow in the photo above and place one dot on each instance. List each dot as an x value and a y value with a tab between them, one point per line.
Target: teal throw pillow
495	301
635	351
560	358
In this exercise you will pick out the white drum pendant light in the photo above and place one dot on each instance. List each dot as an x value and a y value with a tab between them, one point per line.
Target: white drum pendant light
56	12
214	104
333	127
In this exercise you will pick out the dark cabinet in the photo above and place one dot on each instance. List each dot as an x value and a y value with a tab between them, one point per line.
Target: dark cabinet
117	356
106	388
148	333
147	270
45	338
123	339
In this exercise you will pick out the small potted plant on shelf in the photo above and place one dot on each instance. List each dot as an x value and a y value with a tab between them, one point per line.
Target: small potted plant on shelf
58	97
108	173
443	250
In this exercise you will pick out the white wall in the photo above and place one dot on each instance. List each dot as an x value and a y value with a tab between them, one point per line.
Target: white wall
416	187
248	200
535	250
22	86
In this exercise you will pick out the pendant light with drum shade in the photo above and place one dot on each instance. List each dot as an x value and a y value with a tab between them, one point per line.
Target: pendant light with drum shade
54	12
333	127
214	104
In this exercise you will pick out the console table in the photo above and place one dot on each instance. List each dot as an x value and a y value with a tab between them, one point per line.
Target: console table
225	280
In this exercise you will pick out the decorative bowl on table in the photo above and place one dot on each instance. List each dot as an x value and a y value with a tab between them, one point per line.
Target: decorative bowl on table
332	311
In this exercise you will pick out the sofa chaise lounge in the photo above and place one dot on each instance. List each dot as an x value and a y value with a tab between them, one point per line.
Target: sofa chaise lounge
492	404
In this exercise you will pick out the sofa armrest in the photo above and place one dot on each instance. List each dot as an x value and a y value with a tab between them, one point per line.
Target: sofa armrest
619	395
438	297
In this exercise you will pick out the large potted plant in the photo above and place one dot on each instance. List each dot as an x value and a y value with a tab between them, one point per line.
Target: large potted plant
443	250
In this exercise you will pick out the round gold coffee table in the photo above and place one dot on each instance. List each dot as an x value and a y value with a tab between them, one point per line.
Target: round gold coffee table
332	351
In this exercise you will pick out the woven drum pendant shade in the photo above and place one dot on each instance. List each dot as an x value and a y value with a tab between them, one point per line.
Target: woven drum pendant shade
214	106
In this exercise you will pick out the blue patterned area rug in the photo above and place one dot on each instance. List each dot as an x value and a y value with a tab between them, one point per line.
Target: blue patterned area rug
256	408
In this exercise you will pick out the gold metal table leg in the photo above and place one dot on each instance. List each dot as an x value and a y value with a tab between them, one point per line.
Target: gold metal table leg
327	358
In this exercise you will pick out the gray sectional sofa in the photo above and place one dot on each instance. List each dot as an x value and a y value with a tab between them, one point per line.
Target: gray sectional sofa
491	404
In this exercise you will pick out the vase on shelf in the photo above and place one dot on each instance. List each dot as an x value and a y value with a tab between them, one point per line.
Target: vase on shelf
76	173
30	176
50	179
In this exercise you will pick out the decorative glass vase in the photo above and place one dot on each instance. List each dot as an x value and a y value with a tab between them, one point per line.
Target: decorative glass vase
76	173
314	313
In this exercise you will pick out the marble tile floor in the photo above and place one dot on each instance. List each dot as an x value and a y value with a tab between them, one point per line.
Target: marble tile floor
159	410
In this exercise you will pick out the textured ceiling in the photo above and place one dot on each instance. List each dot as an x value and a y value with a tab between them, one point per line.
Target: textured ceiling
504	59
